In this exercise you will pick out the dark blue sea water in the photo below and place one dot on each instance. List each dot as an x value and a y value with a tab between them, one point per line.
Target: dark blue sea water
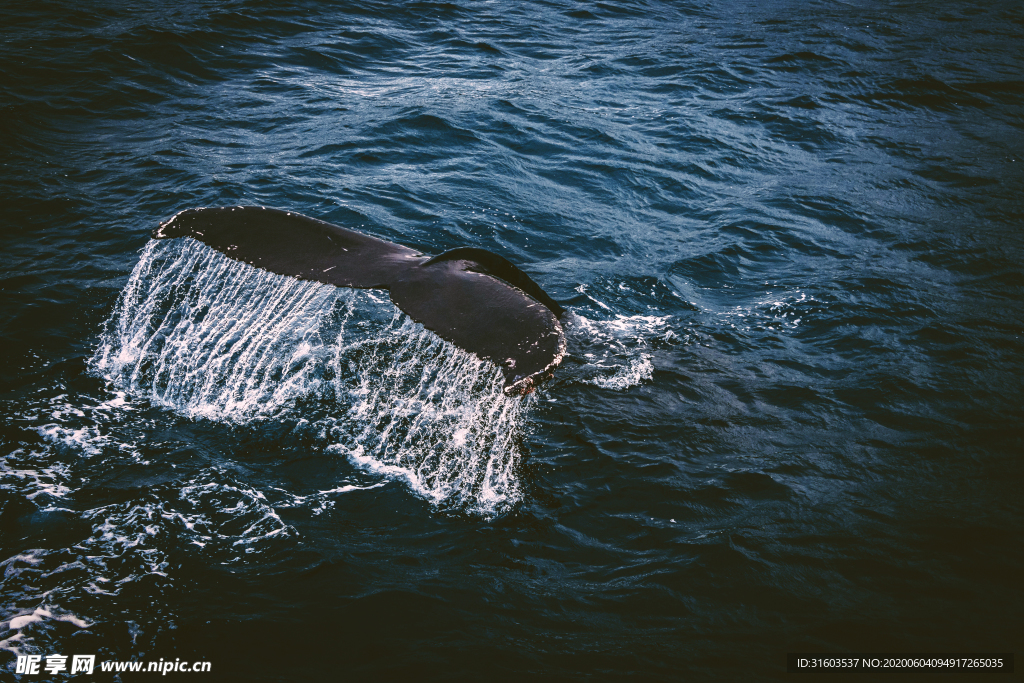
789	237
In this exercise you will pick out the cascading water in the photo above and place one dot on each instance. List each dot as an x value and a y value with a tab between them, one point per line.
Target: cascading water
213	338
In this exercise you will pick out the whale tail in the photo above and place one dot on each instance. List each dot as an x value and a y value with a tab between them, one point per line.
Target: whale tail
473	298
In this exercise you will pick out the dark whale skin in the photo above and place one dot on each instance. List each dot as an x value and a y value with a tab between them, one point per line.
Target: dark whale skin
470	297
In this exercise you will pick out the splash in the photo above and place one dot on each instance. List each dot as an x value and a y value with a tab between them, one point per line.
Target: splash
617	351
213	338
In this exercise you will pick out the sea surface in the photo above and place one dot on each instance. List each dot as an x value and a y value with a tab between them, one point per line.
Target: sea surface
790	240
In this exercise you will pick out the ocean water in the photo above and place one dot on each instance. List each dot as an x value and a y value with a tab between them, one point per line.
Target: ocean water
788	236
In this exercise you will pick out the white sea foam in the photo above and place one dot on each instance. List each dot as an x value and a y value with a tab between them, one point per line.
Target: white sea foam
617	350
32	476
133	541
87	440
27	628
638	371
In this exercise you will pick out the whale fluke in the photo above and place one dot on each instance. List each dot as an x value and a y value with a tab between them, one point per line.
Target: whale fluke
471	297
